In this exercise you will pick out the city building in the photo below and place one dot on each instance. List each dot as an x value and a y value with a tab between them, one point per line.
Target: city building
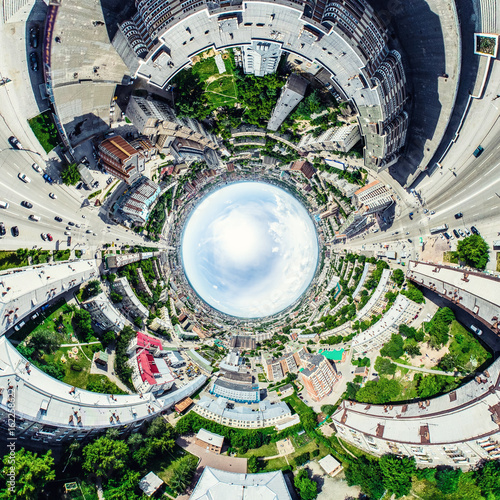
277	369
141	283
291	94
458	429
175	359
150	484
330	465
137	202
231	362
318	377
130	303
150	369
209	440
223	412
372	198
334	139
104	314
240	393
50	413
24	291
214	483
303	166
120	260
121	159
475	292
157	120
261	57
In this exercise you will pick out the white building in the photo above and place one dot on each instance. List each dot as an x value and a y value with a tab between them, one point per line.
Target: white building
334	139
261	57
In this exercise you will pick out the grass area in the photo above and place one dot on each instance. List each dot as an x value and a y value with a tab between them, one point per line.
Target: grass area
267	450
262	377
451	257
62	255
41	257
73	376
94	194
468	350
9	260
163	467
295	402
45	131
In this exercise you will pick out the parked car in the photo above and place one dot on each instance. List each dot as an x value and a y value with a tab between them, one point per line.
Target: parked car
34	61
447	236
44	236
476	330
37	168
24	177
15	231
79	185
2	229
474	230
459	215
67	233
467	232
57	218
34	37
49	237
71	223
48	178
455	232
462	234
14	142
26	204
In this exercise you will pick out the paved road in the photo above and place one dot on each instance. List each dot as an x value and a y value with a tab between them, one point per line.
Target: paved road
425	370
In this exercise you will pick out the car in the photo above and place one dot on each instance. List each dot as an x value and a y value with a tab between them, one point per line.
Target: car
432	212
34	37
447	236
88	231
441	236
15	231
78	226
109	181
474	230
462	234
53	196
425	210
48	178
34	61
467	232
478	151
409	240
459	215
67	233
37	168
24	177
71	223
407	233
2	229
49	237
476	330
57	218
68	228
26	204
85	161
19	326
15	142
34	218
79	185
44	236
455	232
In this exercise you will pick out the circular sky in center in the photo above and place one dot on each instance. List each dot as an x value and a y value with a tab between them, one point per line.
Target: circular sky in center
249	249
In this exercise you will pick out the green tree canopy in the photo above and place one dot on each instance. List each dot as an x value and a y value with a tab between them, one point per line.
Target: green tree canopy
397	473
308	489
394	348
44	341
105	456
31	472
398	276
384	366
367	474
473	250
183	471
413	293
447	479
379	392
70	175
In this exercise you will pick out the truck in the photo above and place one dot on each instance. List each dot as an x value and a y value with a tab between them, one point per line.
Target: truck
439	229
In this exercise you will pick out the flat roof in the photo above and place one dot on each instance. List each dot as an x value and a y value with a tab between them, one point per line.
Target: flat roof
329	464
210	437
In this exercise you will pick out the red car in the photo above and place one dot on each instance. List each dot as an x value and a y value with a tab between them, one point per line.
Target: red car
49	237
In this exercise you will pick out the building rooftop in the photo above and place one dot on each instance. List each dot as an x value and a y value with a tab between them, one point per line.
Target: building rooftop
210	437
150	483
217	484
329	464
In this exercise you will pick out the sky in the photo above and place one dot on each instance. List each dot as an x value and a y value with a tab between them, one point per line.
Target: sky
249	249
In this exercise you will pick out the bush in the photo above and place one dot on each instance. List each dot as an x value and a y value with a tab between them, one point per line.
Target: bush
302	459
76	367
413	293
70	175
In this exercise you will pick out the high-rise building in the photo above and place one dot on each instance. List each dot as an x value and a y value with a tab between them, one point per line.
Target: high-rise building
334	139
261	58
292	93
121	159
303	166
373	197
319	377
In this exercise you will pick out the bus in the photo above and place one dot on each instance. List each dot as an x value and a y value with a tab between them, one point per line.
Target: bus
439	229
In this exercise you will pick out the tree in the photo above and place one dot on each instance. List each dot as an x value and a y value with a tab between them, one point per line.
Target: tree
83	321
394	348
29	472
473	250
384	366
430	385
92	289
308	490
105	456
448	362
327	409
488	479
253	464
352	390
379	392
398	276
183	470
397	473
44	341
411	348
115	297
413	293
108	337
124	487
71	175
367	474
447	479
407	331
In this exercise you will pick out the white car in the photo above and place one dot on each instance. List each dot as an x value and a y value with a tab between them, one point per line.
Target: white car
37	168
53	196
67	233
24	177
476	330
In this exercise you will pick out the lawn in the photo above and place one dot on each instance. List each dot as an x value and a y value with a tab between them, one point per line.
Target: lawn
469	351
41	257
10	259
45	131
62	255
163	466
267	450
72	377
